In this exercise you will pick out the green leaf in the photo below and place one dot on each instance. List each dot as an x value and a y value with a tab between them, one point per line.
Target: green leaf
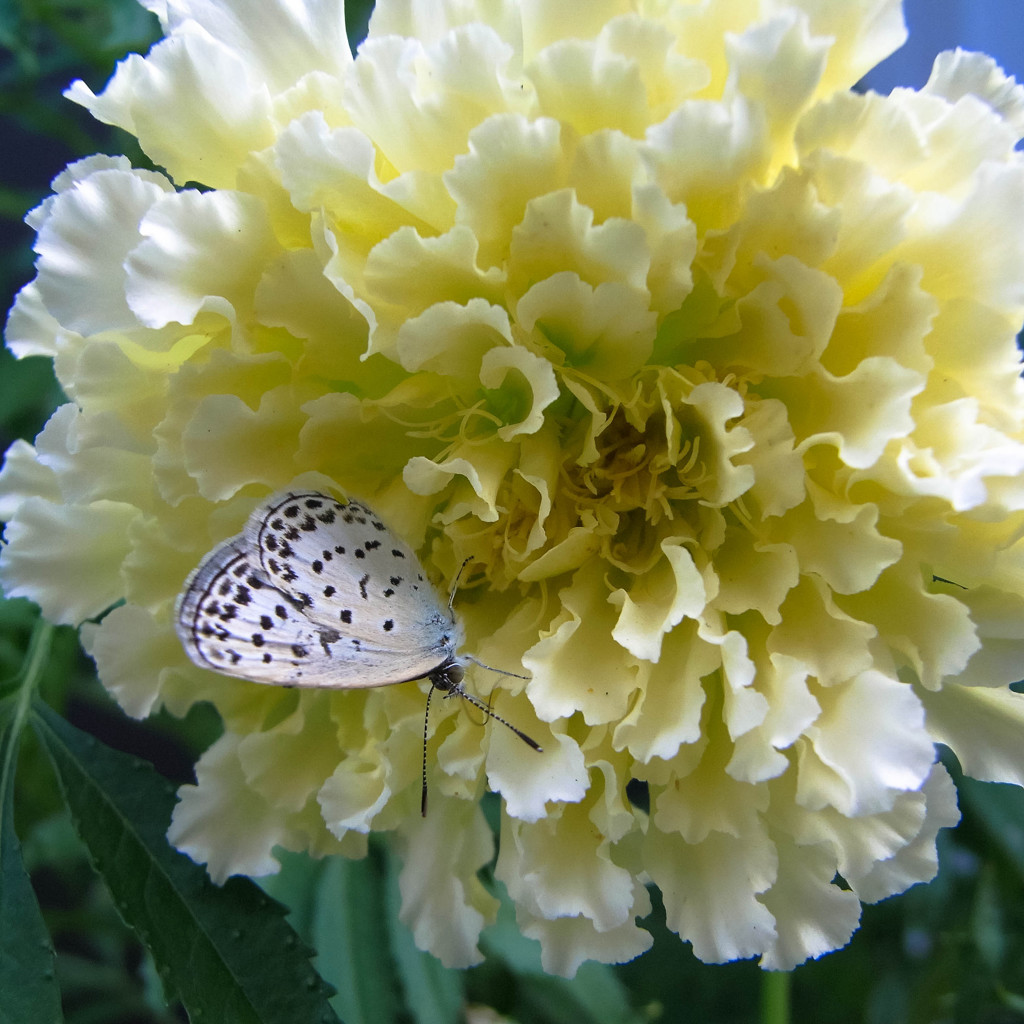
350	931
349	910
1000	809
987	924
227	953
28	989
338	905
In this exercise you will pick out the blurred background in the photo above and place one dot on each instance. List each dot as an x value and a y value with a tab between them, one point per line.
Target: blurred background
951	951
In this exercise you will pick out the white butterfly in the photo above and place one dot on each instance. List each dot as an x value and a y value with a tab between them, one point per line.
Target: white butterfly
319	593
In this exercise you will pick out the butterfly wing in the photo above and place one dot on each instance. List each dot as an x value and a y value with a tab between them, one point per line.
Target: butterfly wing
351	575
232	619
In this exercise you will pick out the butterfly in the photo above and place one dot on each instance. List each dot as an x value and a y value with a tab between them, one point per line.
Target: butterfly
316	592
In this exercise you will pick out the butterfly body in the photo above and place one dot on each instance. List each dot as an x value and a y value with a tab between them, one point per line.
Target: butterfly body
317	593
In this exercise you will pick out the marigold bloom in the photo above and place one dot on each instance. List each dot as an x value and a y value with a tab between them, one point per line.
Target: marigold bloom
706	362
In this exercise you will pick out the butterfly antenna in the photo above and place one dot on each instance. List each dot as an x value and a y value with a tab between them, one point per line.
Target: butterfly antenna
491	668
426	717
486	709
455	583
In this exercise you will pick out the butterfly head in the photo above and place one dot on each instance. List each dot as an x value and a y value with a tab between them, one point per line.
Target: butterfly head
449	675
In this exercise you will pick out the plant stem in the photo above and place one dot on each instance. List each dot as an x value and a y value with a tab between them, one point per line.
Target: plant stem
31	671
35	662
775	997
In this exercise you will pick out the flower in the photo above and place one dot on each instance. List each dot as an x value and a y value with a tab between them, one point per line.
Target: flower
705	361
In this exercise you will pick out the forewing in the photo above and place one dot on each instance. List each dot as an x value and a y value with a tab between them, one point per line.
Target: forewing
231	618
350	574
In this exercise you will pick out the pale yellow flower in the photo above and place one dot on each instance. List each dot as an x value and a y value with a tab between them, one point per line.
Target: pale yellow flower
706	362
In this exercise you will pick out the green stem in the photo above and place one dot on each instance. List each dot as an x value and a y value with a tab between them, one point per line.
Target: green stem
31	672
35	664
775	997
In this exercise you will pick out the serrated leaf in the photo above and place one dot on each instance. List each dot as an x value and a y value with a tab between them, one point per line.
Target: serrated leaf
28	988
227	952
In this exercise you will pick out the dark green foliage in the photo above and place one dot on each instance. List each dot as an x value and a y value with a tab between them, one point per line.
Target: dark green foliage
226	953
347	910
28	988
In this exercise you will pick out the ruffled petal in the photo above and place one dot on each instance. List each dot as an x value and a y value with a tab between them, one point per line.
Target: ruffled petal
81	284
812	915
712	891
134	654
66	558
443	901
223	824
860	774
982	727
228	104
177	272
